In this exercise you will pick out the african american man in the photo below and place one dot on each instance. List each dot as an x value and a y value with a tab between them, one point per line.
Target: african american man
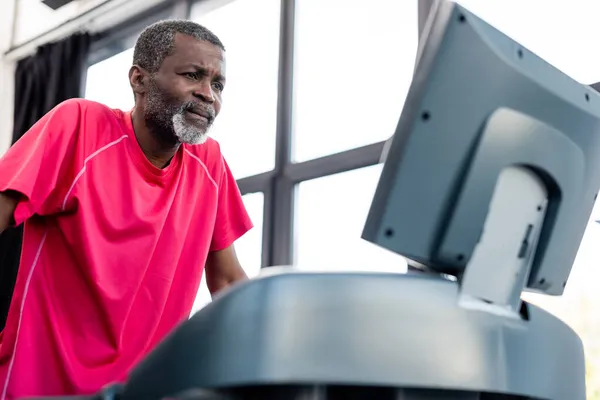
122	213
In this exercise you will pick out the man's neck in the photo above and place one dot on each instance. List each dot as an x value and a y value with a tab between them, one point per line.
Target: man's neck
156	151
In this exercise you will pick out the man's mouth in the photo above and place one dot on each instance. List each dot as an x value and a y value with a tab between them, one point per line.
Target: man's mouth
200	114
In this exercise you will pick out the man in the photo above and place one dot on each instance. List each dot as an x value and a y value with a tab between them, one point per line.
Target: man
122	212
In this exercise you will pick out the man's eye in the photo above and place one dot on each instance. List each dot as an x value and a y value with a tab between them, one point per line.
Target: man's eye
218	86
191	75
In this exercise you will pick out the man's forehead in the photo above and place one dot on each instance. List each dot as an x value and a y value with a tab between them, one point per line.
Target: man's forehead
190	46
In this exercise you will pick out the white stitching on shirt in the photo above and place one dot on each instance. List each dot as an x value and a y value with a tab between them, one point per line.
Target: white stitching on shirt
203	166
37	256
39	250
14	352
80	174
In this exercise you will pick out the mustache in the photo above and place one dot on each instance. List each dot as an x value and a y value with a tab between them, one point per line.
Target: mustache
198	107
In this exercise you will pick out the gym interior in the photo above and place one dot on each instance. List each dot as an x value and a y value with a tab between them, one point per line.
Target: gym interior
296	60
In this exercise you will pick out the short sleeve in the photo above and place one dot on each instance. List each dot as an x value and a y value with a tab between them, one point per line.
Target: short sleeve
232	218
39	164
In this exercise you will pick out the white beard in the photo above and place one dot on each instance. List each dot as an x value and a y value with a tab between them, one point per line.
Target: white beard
187	133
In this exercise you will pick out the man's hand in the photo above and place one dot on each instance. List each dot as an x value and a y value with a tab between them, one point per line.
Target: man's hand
8	203
223	269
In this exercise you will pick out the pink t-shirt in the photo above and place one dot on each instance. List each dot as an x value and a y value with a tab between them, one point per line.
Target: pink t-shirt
113	247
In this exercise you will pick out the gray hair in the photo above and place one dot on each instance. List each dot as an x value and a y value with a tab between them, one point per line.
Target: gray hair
157	41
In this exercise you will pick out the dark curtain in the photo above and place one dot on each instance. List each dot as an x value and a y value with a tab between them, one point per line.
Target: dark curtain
42	81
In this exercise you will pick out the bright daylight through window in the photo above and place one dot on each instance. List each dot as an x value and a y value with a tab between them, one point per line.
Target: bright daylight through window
330	215
350	85
351	81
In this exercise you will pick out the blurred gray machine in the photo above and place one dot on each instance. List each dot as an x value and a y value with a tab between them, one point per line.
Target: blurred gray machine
488	185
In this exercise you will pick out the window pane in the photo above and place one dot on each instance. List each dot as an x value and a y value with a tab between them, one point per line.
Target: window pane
350	80
248	247
330	215
246	126
564	34
107	82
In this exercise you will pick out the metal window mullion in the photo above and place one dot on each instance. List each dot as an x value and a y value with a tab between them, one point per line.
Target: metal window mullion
336	163
279	198
282	222
255	183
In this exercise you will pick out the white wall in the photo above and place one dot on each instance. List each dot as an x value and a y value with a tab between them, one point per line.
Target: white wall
6	75
40	18
28	24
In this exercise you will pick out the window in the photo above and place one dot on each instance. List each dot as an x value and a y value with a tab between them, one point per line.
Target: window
350	81
250	32
563	34
107	82
330	215
248	247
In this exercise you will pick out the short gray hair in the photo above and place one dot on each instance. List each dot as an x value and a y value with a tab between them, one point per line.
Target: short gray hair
157	41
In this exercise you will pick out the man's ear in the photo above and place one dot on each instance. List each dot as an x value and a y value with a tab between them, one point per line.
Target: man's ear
138	78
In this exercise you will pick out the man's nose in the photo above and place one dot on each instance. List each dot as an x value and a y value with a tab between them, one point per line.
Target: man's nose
204	92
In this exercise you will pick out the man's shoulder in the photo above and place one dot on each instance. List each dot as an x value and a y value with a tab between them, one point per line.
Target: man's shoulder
78	108
86	124
208	156
90	119
205	151
82	112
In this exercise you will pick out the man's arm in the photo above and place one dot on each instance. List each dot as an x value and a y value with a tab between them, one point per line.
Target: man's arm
223	269
8	203
232	221
36	171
